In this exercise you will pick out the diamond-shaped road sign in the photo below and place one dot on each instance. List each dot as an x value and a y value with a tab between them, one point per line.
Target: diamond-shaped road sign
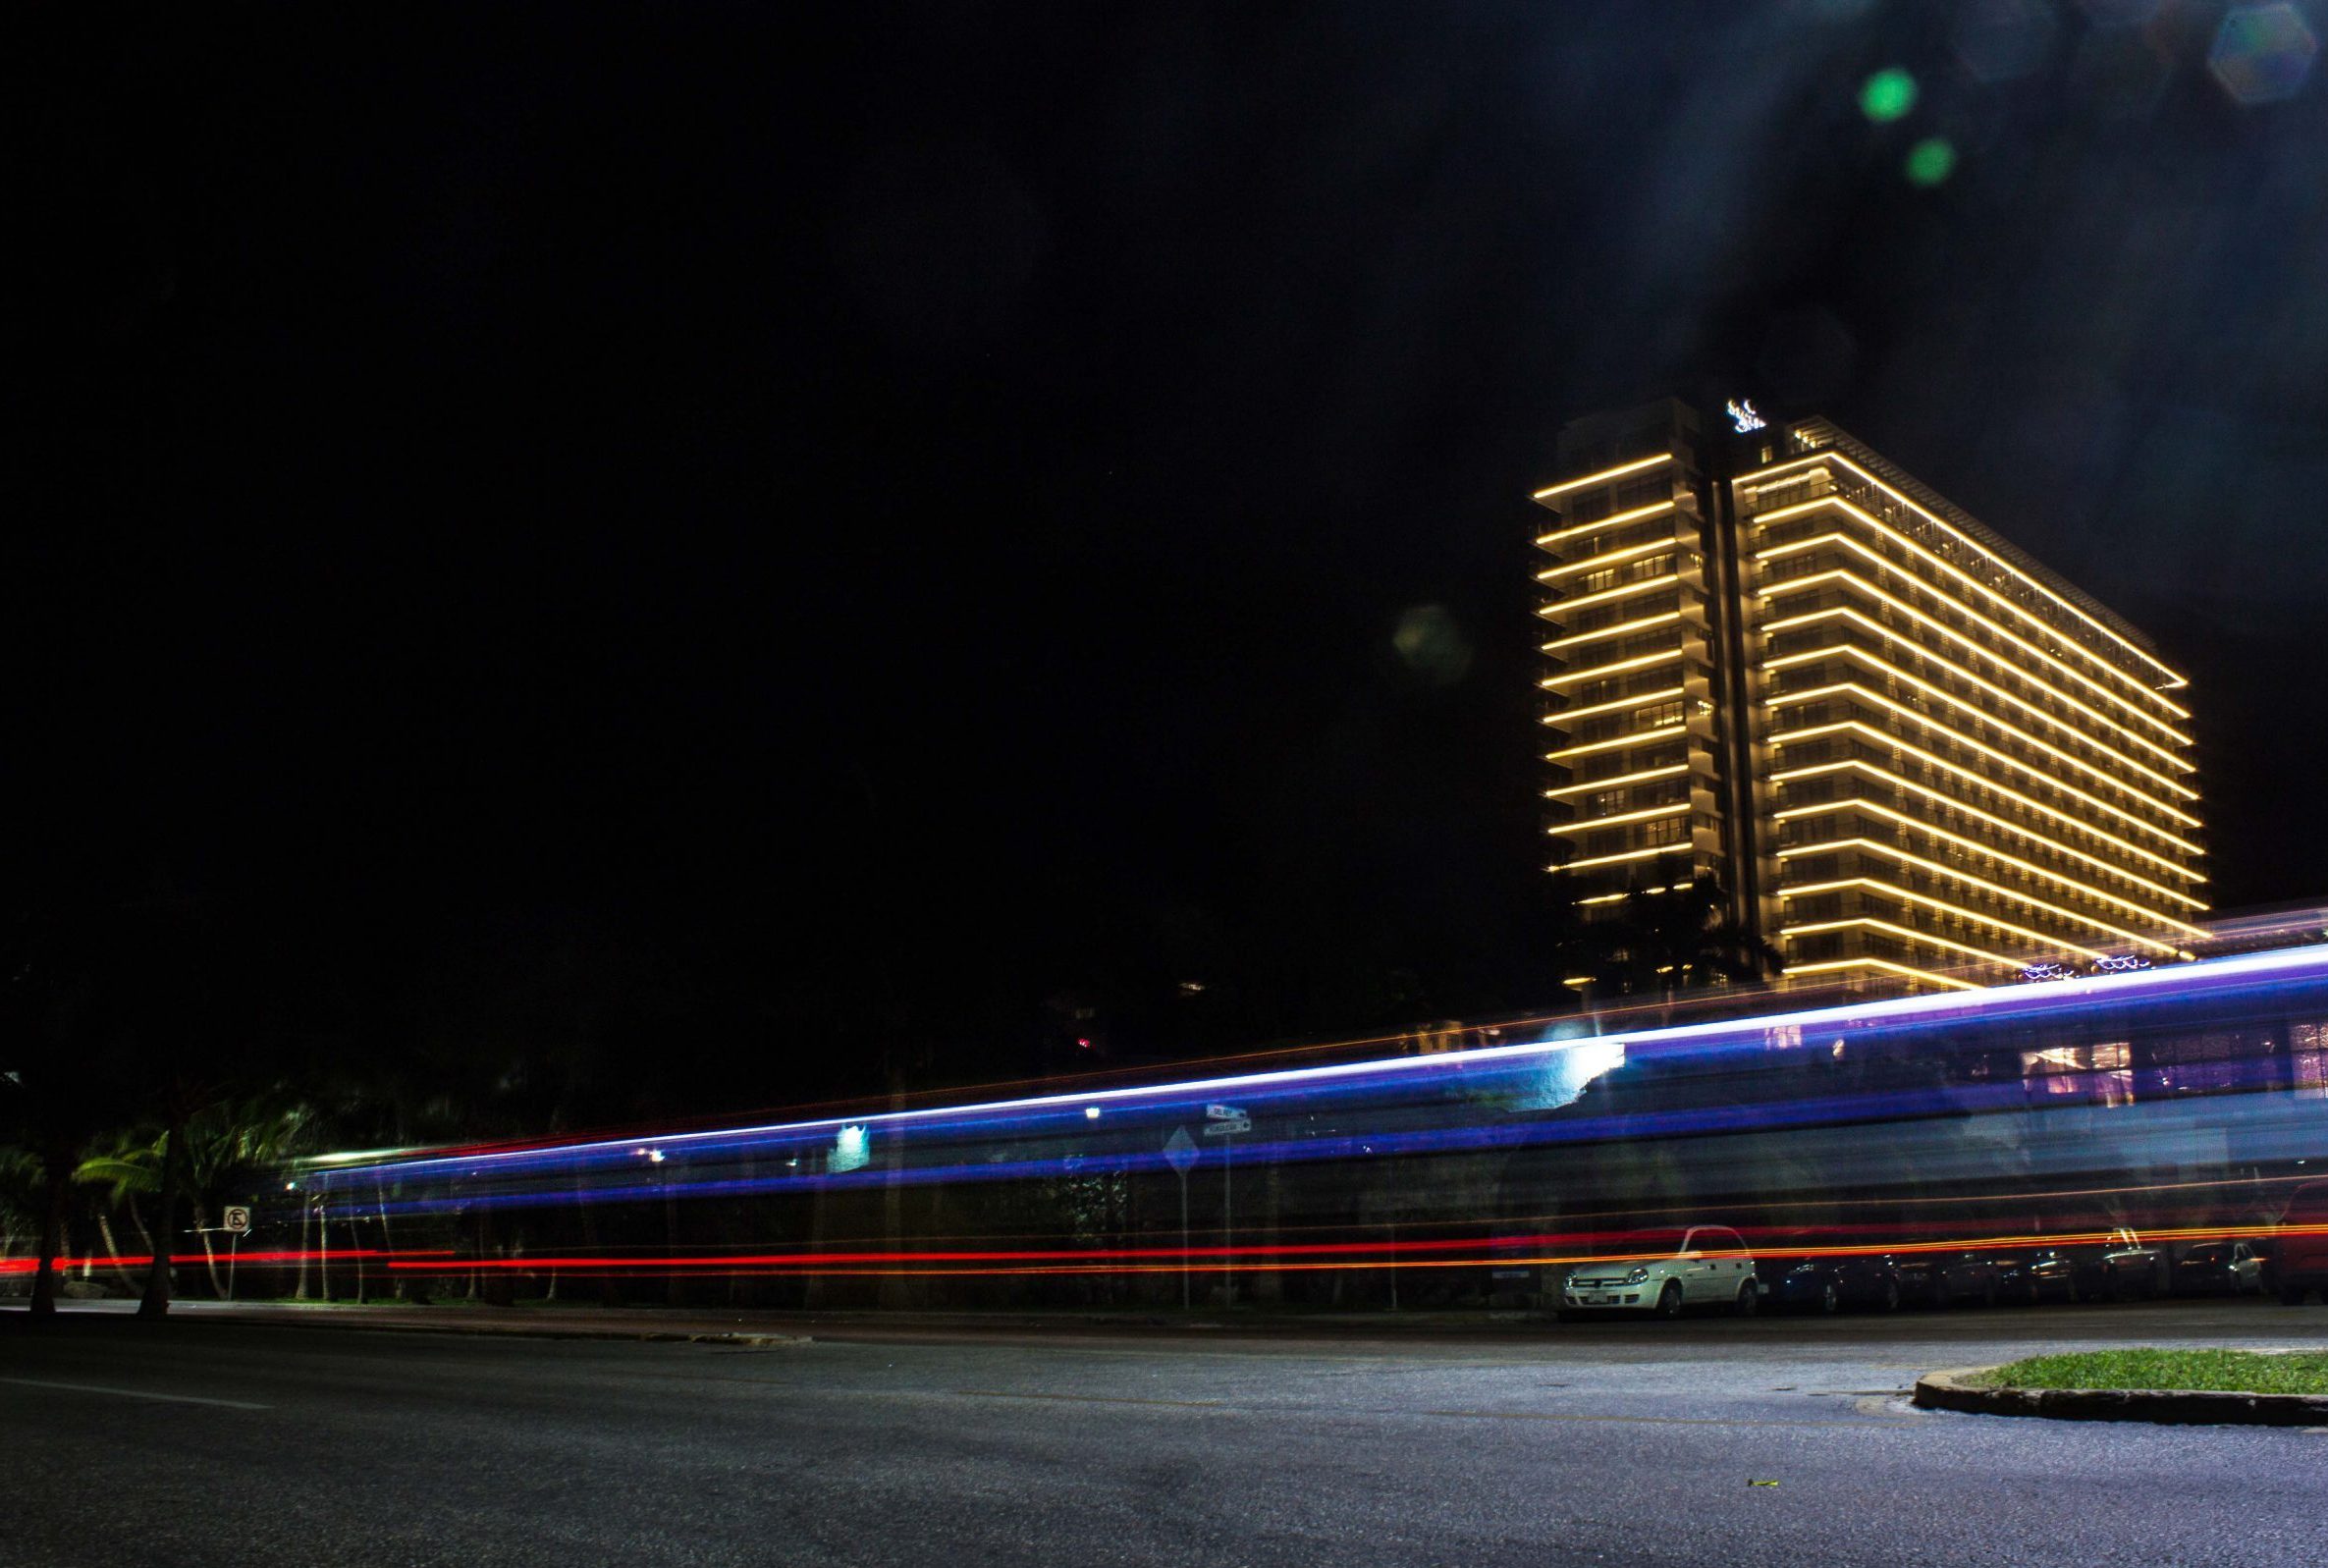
1181	1150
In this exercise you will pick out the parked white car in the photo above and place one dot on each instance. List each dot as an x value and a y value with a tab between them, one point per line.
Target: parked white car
1663	1271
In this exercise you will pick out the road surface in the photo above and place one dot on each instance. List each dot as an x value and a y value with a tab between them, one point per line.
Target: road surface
211	1442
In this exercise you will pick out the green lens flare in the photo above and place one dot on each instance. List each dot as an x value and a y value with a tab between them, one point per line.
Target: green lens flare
1930	161
1887	94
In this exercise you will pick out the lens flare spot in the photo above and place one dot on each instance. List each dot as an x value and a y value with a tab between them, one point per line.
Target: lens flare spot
2262	54
1888	95
1429	642
1930	161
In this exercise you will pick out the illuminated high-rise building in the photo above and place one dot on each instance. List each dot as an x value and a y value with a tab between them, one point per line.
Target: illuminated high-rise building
1915	757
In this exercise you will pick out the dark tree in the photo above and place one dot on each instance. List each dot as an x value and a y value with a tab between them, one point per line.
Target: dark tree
1681	937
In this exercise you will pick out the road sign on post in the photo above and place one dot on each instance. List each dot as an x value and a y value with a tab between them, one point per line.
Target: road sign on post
1223	1121
234	1222
1179	1152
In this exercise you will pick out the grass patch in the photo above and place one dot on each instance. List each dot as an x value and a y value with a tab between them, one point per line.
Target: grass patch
2201	1371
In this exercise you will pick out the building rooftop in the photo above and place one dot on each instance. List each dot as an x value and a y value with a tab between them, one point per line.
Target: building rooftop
1817	434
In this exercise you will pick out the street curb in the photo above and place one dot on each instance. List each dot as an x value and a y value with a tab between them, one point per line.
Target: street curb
665	1337
745	1338
1421	1324
1957	1389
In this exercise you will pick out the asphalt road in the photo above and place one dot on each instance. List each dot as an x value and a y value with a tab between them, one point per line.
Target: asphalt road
205	1442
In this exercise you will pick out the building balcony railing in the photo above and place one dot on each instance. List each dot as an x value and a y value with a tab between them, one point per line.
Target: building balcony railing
1914	730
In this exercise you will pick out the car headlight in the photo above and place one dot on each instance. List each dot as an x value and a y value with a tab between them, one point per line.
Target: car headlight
1636	1276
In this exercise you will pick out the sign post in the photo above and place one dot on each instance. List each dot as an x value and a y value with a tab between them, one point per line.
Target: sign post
1179	1152
1226	1122
234	1221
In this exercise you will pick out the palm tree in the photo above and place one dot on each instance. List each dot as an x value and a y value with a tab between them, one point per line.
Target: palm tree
127	1166
224	1147
232	1143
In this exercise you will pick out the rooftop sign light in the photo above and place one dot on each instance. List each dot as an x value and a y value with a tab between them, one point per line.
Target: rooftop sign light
2106	964
1743	416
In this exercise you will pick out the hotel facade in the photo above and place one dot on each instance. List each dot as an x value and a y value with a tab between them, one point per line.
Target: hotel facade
1913	757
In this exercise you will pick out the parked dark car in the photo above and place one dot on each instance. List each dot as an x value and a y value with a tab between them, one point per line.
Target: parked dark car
2299	1252
2049	1273
1944	1279
2219	1269
2132	1268
1829	1284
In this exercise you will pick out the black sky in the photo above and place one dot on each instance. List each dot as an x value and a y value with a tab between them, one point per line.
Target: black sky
839	523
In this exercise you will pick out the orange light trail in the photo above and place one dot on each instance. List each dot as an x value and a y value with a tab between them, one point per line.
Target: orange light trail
1264	1259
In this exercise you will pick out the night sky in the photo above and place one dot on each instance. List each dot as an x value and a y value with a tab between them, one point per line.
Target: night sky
776	534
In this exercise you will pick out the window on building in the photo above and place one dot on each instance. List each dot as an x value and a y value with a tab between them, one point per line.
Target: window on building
2102	1073
1644	491
2308	1046
1817	908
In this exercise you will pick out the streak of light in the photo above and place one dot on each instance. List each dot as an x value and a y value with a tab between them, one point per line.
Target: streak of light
1260	1257
2055	998
126	1260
